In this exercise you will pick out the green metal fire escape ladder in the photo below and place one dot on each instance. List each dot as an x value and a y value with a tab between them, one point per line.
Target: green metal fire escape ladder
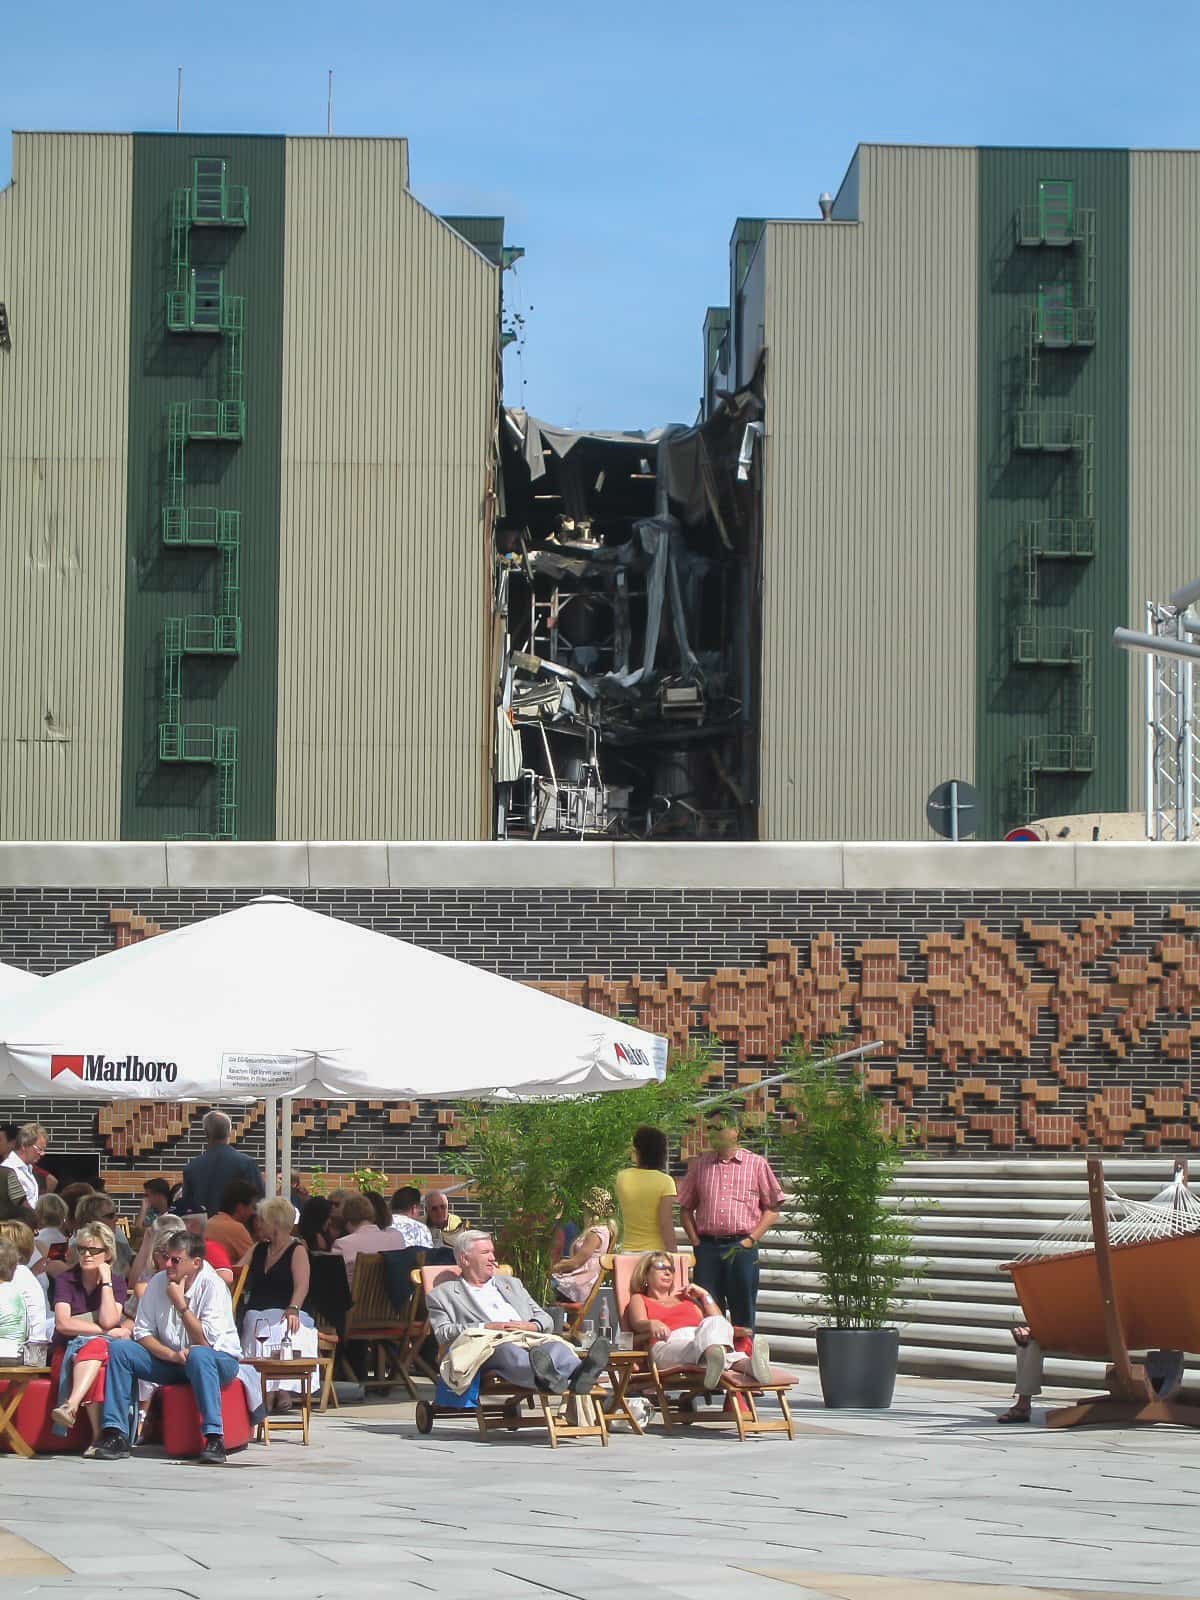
197	304
1063	318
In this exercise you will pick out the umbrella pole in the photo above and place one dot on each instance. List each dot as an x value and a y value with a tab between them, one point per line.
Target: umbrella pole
271	1121
285	1140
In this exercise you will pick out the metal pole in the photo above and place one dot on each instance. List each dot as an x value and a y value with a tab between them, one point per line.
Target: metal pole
782	1077
271	1120
1128	639
329	106
1187	672
178	99
285	1111
1151	742
954	809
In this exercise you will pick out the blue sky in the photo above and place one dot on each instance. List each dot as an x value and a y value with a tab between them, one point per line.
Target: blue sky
622	140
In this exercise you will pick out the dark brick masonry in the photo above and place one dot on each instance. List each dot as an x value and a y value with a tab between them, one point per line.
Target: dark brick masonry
1015	1021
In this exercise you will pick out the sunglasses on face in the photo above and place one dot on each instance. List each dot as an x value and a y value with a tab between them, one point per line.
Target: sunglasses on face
662	1266
172	1261
91	1250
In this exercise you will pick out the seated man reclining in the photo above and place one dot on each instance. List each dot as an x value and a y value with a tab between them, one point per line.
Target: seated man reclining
487	1322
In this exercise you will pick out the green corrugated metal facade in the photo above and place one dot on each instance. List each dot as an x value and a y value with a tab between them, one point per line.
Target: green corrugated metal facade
1018	488
240	691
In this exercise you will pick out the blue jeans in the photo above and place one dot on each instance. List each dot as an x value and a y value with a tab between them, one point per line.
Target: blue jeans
733	1283
208	1371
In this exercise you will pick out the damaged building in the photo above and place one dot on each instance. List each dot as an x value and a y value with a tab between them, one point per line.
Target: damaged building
626	629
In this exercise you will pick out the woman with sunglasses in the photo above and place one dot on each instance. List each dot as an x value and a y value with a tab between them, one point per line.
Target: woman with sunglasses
686	1328
88	1301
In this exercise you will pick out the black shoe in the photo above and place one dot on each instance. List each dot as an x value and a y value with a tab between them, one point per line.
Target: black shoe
545	1374
113	1446
590	1368
214	1450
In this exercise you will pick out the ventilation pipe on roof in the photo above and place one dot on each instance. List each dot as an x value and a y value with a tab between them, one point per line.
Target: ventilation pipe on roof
826	204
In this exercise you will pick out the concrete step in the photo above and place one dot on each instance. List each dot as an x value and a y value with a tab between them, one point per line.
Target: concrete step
969	1216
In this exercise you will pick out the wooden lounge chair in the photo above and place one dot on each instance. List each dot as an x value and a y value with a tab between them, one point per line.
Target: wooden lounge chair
507	1407
675	1390
1111	1299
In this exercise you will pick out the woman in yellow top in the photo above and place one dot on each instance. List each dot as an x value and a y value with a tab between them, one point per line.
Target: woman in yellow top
646	1195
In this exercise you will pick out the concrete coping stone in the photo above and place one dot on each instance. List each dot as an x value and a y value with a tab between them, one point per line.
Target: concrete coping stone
930	867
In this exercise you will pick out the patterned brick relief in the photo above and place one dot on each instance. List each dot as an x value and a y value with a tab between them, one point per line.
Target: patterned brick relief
1021	1023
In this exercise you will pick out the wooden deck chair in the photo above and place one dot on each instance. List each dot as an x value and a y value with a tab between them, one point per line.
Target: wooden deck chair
507	1407
675	1390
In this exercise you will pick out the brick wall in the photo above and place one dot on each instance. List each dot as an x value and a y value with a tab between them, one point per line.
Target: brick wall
1013	1020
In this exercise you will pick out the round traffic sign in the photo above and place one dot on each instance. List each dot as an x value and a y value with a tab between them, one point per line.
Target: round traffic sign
953	809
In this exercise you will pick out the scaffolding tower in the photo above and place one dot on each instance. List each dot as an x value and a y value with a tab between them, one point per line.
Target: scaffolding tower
1172	746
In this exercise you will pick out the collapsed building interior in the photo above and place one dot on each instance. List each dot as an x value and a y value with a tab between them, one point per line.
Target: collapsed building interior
627	576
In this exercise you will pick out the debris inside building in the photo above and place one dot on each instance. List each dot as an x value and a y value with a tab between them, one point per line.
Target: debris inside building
627	571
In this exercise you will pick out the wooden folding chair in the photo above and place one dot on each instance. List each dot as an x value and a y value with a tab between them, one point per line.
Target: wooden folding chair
675	1390
575	1312
327	1350
374	1321
507	1407
239	1287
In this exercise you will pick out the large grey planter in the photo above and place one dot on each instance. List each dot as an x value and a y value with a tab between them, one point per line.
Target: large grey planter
858	1367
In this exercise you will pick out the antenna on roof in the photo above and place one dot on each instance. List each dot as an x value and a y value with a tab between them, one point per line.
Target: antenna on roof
329	107
178	99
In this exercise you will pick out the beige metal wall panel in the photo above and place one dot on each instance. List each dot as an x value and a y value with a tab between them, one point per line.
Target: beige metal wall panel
391	325
64	277
751	314
868	662
1164	399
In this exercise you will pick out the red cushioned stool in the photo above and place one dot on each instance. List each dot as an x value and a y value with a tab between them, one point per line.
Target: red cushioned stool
35	1425
179	1420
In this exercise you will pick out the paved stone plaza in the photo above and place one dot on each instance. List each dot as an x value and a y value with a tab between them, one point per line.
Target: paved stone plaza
931	1498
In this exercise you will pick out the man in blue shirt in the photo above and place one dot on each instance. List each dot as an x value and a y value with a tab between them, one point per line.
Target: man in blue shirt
206	1178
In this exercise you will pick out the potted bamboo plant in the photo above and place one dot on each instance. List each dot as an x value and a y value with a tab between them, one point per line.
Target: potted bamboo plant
839	1162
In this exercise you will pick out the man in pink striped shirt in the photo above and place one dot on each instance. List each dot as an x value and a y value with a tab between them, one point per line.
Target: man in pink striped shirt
728	1200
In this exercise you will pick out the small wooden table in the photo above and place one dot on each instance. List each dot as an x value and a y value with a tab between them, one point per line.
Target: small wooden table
304	1368
18	1377
622	1365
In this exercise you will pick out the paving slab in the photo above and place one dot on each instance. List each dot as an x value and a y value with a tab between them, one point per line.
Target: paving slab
930	1498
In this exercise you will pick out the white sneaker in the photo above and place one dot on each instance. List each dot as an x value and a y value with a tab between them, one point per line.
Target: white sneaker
760	1359
714	1366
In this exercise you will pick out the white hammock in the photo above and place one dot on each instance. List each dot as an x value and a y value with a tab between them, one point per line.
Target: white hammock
1173	1212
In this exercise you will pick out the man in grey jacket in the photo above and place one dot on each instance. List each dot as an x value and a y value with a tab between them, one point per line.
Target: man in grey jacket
482	1298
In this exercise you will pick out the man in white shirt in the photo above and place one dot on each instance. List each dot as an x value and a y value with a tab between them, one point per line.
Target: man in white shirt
405	1205
18	1183
184	1332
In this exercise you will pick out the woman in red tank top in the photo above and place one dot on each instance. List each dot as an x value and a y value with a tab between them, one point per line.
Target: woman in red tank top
685	1328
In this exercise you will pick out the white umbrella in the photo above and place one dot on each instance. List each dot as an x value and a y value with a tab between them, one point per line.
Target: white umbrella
14	982
273	999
